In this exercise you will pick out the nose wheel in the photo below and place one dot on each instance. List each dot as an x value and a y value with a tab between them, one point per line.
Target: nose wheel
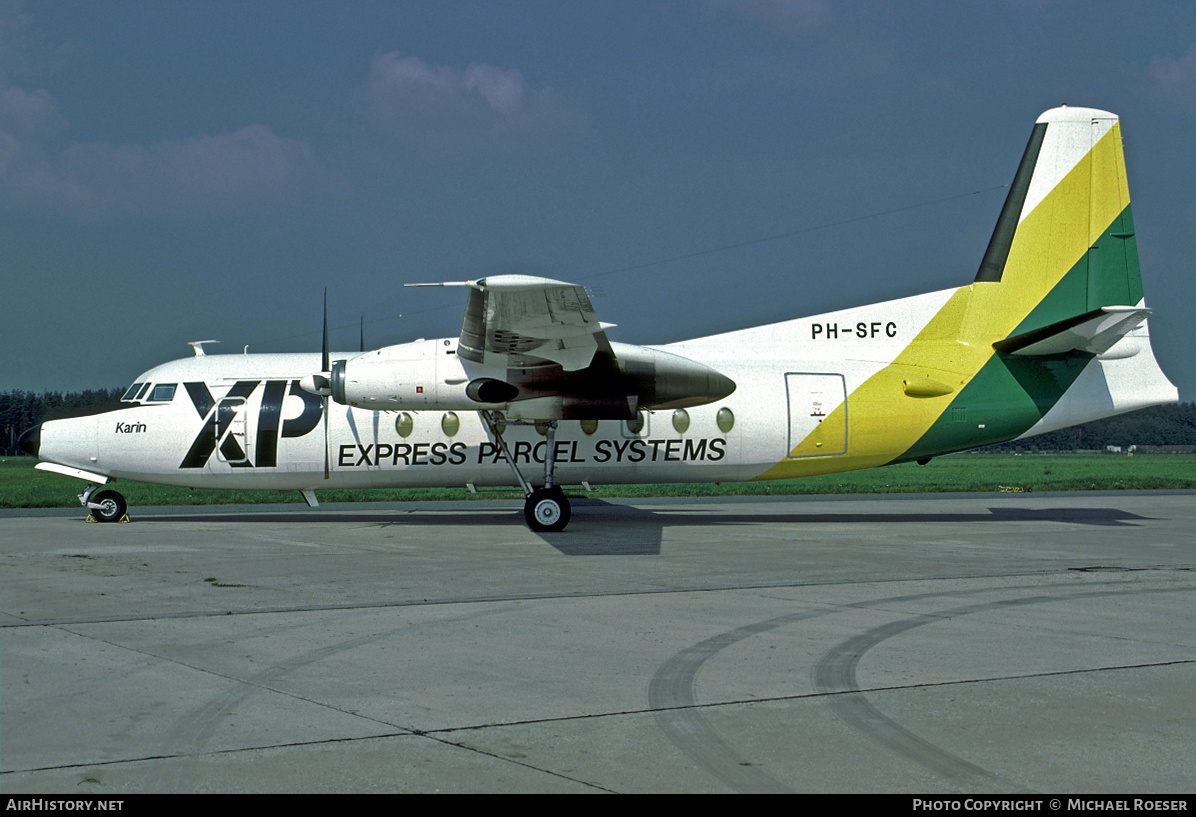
547	510
107	506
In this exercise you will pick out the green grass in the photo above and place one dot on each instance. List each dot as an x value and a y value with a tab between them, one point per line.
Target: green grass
23	487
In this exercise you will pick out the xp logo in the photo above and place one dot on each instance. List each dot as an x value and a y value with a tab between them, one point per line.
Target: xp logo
221	420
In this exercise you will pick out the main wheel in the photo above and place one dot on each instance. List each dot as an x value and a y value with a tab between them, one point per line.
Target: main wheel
107	506
547	510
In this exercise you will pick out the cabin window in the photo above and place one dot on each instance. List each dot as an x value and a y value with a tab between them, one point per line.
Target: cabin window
589	426
404	424
636	424
450	423
131	394
725	420
162	393
681	420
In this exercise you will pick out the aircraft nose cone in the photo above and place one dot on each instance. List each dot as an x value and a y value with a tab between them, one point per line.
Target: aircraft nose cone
31	440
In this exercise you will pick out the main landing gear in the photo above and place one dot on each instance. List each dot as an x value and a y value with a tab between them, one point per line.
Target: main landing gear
106	506
546	510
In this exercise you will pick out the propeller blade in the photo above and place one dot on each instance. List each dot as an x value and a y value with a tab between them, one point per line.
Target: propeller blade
325	363
325	367
325	400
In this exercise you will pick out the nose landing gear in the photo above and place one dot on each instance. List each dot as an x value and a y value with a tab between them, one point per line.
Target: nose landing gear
106	506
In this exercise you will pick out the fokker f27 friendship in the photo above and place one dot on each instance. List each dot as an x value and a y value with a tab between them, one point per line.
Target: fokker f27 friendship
1051	332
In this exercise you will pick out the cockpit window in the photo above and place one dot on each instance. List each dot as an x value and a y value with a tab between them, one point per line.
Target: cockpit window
141	393
163	393
131	394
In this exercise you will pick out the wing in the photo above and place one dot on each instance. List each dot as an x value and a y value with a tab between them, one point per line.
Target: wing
526	318
536	345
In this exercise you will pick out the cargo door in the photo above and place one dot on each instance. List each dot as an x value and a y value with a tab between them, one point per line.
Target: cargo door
232	442
817	414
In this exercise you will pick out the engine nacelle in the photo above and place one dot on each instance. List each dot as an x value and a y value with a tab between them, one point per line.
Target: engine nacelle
422	376
663	380
428	375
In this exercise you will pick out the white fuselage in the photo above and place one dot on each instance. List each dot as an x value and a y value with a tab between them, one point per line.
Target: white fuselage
277	433
242	421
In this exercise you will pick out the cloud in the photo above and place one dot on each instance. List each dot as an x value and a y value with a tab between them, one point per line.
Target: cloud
201	174
1176	78
27	113
481	109
24	51
97	180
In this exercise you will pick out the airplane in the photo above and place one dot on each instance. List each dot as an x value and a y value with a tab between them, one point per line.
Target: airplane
1051	332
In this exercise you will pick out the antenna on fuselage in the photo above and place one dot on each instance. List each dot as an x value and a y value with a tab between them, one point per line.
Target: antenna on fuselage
197	346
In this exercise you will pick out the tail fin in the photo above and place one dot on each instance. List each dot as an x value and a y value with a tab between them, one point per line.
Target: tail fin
1055	323
1065	238
1052	331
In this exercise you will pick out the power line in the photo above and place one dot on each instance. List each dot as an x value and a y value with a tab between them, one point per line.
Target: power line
790	234
699	253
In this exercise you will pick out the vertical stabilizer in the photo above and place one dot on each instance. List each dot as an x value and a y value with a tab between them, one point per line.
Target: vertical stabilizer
1056	312
1052	331
1064	244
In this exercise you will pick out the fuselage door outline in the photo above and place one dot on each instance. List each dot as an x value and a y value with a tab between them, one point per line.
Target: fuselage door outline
817	410
232	445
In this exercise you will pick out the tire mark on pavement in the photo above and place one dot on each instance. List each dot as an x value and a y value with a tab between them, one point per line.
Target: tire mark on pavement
834	675
671	697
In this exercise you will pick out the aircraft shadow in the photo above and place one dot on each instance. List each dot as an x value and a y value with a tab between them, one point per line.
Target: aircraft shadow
601	528
627	530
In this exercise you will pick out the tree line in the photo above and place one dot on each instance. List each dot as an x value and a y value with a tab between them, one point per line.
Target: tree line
22	410
1164	426
1167	426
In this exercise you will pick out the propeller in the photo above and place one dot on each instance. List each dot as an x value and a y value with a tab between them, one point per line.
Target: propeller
321	384
325	372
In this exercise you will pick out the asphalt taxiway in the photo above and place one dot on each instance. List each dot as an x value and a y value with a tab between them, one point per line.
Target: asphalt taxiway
931	643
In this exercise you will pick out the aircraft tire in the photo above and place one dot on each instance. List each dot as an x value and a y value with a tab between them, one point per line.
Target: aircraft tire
112	506
547	510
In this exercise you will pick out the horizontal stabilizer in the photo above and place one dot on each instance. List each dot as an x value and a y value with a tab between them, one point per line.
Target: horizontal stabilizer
1093	332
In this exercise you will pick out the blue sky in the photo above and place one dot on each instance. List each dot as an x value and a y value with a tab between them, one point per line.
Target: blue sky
176	171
